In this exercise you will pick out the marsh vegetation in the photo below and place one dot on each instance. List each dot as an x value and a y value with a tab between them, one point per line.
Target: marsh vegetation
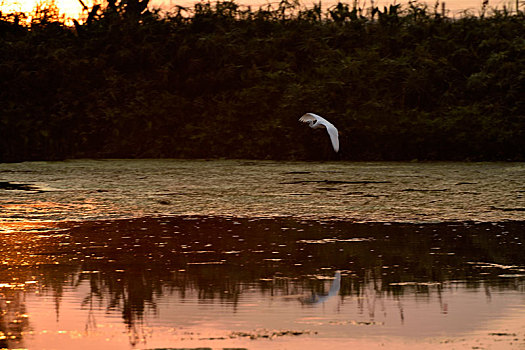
223	80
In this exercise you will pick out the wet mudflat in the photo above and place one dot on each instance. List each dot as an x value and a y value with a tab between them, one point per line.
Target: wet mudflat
101	261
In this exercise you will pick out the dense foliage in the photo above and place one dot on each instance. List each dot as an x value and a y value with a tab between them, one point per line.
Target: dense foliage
221	80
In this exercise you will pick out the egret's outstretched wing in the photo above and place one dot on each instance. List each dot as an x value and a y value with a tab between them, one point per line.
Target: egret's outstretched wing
334	135
315	121
308	117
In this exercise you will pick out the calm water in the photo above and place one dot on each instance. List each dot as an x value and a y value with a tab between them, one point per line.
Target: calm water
158	254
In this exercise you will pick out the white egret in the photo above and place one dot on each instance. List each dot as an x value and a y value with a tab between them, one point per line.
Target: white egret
316	122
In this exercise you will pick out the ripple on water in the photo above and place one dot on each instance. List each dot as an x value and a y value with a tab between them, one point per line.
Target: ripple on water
365	192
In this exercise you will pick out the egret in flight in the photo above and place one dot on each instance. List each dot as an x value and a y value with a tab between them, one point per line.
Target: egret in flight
316	122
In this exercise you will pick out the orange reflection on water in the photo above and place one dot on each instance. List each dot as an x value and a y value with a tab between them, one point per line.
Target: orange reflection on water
43	206
40	216
24	243
26	226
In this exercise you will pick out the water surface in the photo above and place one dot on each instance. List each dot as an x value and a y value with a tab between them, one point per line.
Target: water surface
365	192
157	254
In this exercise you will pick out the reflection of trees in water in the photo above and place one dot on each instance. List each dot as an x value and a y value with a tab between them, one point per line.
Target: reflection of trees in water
130	265
13	316
221	257
132	293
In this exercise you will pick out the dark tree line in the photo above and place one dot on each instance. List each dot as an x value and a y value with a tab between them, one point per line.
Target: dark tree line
222	80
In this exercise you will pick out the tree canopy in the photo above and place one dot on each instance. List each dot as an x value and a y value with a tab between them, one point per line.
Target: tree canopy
223	80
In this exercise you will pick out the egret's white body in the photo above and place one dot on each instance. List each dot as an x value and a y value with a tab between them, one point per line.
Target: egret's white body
316	122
